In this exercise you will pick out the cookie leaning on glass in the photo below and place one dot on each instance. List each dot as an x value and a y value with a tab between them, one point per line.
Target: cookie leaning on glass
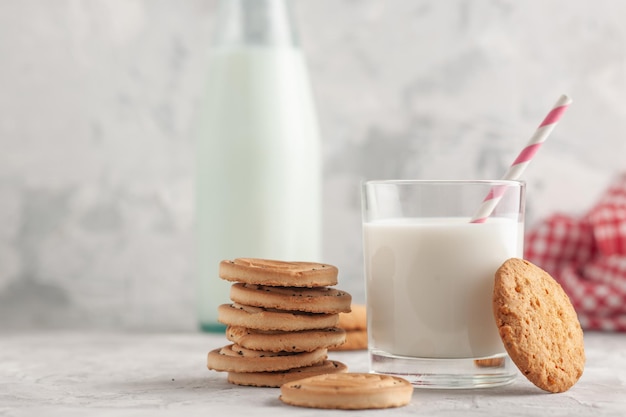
538	325
280	308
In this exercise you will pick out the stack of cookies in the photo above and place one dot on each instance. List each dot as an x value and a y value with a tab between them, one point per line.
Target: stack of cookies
281	322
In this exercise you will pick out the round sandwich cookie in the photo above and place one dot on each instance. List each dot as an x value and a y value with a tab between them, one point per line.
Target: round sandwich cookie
269	319
348	391
278	273
233	358
281	341
276	379
312	300
538	325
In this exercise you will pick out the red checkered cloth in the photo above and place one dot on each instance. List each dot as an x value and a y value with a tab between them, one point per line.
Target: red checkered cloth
587	256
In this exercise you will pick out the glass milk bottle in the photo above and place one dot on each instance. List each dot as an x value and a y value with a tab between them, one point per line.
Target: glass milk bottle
258	166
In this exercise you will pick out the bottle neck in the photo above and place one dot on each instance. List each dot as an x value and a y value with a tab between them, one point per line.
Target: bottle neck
255	22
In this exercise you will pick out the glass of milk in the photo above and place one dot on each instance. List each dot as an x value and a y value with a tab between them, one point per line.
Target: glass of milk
429	279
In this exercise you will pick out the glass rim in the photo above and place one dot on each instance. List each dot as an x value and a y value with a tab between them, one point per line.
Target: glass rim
444	182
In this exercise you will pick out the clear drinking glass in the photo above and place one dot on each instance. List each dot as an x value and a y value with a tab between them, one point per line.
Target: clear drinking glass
429	279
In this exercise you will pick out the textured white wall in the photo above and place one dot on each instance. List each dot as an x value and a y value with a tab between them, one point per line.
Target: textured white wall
97	101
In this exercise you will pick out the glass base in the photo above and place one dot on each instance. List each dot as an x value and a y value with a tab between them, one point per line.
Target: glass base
463	373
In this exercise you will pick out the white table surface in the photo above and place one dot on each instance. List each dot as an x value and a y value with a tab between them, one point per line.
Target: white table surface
113	374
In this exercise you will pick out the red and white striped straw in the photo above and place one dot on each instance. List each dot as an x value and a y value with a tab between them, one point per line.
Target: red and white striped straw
523	159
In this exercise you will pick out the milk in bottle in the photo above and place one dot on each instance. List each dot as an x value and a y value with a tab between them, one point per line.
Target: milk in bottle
258	162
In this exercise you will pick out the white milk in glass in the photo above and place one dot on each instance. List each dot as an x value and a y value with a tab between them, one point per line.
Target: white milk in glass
430	284
259	168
